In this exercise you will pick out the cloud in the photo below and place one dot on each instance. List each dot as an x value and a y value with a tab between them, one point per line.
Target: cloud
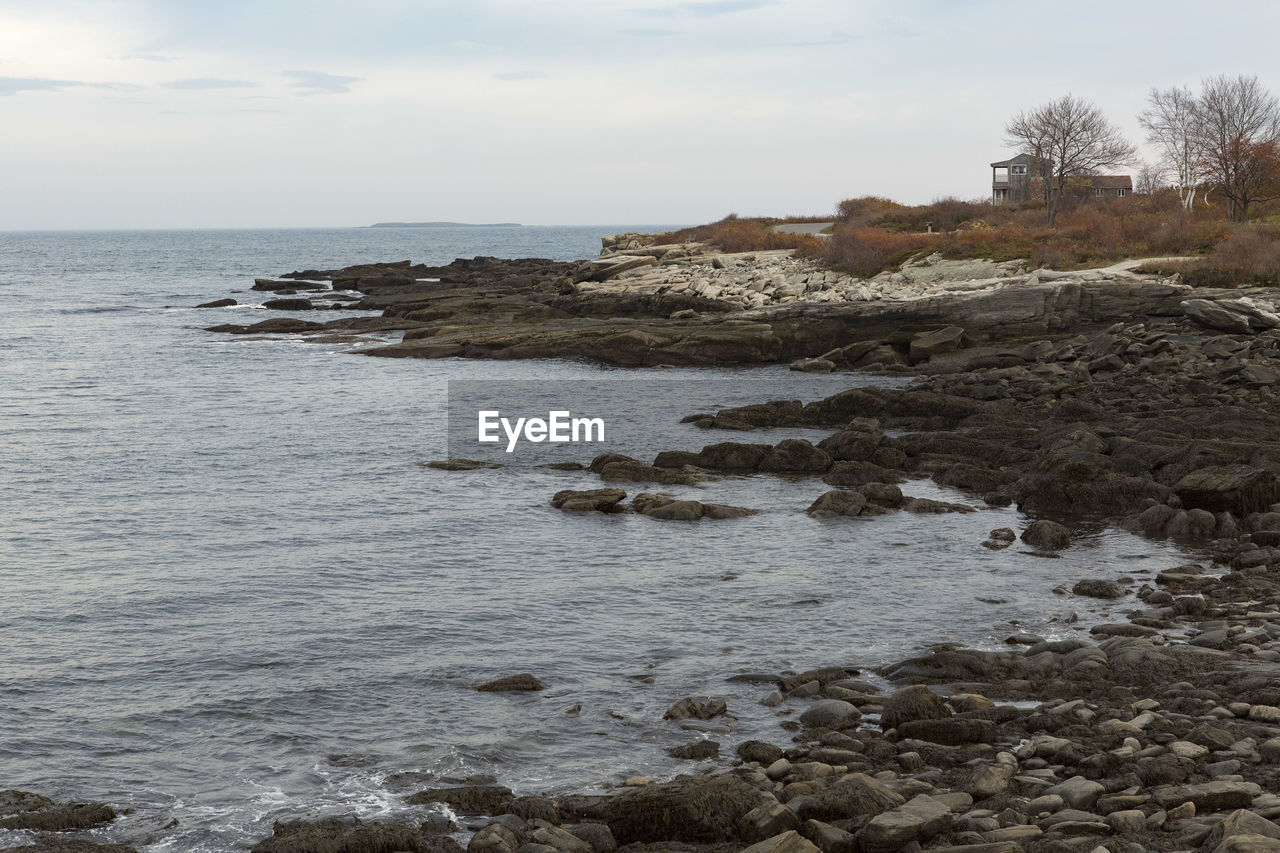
208	83
647	32
708	8
14	85
321	83
519	75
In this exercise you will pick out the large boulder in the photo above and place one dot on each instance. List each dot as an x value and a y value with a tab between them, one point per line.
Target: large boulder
467	799
795	456
591	500
912	703
838	502
851	796
693	809
1238	489
1238	316
1047	535
339	835
926	344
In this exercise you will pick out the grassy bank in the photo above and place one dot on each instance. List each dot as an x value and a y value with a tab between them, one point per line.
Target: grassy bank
874	234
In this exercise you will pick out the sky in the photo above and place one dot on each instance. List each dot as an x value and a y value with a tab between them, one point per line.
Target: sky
313	113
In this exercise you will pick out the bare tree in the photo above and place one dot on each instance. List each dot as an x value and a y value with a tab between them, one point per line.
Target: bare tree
1152	177
1068	137
1171	121
1238	126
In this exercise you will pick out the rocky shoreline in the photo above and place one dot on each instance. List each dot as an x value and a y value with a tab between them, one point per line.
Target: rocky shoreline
1104	394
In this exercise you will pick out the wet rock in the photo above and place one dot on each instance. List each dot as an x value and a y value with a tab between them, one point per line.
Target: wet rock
795	456
1238	489
696	750
698	709
1048	535
932	507
274	326
596	834
591	500
694	809
912	703
467	799
218	303
838	502
1097	588
522	682
670	509
288	305
31	811
457	463
759	751
624	470
1242	822
951	731
63	844
535	808
350	834
829	714
850	796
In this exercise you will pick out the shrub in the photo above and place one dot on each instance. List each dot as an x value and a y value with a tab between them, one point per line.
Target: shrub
866	251
736	234
1250	255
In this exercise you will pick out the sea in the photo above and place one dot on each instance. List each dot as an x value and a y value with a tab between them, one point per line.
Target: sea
230	594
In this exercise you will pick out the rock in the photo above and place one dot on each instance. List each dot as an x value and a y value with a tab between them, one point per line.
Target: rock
828	838
694	809
813	365
498	837
467	799
670	509
288	305
1096	588
63	844
343	834
559	839
926	344
838	502
457	463
889	831
698	709
1002	534
523	681
592	500
1237	316
951	731
1078	792
595	834
912	703
767	821
1242	822
829	714
850	796
1127	821
53	817
696	750
1205	796
787	842
1238	489
795	456
1248	844
927	505
623	470
218	303
1048	535
883	494
988	780
759	752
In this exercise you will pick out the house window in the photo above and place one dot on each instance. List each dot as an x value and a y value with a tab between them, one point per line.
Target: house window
1122	192
1001	195
1017	170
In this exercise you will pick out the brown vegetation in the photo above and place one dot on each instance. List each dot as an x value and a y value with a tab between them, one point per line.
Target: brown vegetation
737	234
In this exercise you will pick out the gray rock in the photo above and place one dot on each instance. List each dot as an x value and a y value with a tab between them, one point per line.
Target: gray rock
829	714
768	821
1098	588
1078	792
699	709
512	683
1046	534
787	842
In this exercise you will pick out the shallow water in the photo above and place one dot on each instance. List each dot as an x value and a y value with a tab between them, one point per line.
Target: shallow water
228	595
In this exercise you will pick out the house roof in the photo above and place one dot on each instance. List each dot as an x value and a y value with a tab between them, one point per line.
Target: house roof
1019	160
1110	182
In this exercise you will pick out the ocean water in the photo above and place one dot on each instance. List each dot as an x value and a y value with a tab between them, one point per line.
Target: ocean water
228	594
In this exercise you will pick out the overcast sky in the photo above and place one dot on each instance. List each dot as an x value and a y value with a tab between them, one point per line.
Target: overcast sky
246	113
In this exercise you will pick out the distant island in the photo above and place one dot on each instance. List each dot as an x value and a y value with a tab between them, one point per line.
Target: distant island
445	225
